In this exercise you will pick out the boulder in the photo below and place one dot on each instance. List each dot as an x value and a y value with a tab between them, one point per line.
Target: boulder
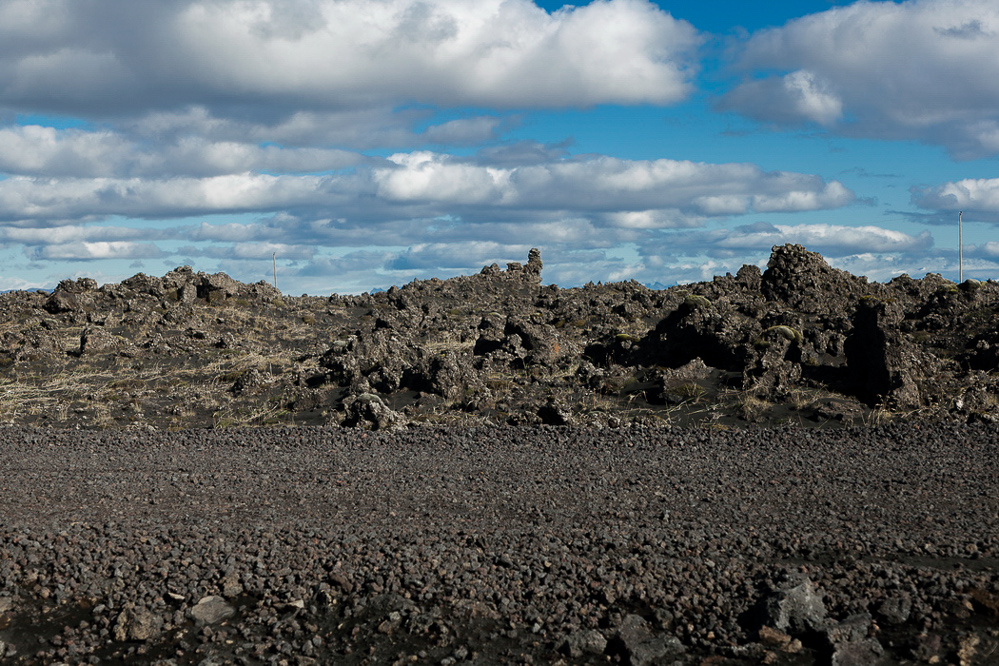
97	340
640	646
883	362
211	610
587	642
796	607
369	412
61	301
137	624
850	642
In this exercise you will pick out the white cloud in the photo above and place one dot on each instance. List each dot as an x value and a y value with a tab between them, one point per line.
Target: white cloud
829	239
812	98
44	199
977	198
361	128
70	234
119	56
878	253
464	131
97	250
35	150
460	255
642	193
921	69
423	185
250	250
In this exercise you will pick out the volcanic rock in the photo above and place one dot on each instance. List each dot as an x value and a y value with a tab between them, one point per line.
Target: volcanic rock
369	411
211	610
884	363
801	343
796	607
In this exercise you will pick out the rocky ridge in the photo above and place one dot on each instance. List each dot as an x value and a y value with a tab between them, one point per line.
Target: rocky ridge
800	343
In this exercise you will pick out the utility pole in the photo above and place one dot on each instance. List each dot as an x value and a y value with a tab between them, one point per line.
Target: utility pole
274	257
960	249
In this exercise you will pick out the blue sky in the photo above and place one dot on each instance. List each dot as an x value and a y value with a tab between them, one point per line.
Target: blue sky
367	143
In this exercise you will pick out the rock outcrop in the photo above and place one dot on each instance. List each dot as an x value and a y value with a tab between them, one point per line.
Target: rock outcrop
800	342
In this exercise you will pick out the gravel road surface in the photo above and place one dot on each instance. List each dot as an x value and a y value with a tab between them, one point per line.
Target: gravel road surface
501	545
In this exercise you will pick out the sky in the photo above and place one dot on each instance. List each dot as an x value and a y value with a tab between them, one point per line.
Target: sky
361	144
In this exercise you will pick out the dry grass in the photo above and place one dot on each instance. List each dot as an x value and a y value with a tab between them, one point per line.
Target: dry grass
752	407
240	418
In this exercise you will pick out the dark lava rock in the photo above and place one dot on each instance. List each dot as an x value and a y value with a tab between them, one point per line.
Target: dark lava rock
805	282
61	301
369	411
639	646
580	643
884	364
211	610
796	607
137	624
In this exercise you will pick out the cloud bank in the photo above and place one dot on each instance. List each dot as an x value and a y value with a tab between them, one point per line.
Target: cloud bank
114	57
399	199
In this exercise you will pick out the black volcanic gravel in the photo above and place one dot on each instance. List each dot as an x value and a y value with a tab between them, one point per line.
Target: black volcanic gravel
499	545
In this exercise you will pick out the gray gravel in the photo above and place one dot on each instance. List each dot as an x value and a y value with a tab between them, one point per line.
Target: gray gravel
501	545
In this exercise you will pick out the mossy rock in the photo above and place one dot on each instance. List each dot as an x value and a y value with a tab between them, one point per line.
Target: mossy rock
695	302
788	333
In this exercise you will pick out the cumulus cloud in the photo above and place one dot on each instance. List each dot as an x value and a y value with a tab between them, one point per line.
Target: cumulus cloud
114	57
921	69
977	198
464	131
249	250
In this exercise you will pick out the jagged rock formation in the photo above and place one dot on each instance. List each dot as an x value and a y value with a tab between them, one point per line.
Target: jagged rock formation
801	342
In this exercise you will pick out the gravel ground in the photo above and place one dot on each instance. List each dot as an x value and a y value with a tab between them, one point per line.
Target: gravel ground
501	545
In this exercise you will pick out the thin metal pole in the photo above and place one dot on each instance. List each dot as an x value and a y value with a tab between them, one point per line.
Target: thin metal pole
960	248
274	257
